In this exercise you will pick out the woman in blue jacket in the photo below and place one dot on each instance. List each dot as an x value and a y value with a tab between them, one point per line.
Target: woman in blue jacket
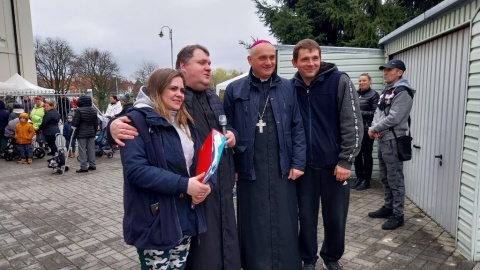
160	185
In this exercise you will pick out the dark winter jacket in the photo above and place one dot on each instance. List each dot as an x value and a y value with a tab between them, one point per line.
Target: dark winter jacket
4	113
368	100
241	105
67	129
126	108
331	117
49	125
85	119
151	176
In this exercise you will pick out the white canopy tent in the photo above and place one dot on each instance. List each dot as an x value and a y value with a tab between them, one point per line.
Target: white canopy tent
222	86
7	87
25	87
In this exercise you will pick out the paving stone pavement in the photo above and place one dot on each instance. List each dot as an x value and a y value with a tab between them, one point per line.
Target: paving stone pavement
74	221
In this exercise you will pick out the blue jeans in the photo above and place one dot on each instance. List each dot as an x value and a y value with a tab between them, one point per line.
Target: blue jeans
25	150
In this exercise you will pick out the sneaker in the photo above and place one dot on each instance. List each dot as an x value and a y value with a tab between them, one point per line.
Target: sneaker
381	213
393	222
365	184
356	183
332	266
308	266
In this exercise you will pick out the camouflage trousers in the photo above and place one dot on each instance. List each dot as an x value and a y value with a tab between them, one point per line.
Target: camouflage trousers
391	175
174	258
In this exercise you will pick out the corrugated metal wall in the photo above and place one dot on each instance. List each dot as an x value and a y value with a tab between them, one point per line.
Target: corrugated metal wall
468	225
438	70
353	61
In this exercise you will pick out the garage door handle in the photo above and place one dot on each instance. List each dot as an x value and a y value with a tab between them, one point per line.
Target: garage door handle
440	162
416	146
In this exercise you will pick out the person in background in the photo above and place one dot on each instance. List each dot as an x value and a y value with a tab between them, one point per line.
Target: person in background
4	114
368	99
12	121
63	107
85	121
127	104
36	115
67	134
390	121
49	126
269	157
205	107
24	133
27	104
331	116
114	107
9	101
74	102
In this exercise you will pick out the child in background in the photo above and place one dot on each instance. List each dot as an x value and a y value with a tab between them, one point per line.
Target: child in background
23	136
67	133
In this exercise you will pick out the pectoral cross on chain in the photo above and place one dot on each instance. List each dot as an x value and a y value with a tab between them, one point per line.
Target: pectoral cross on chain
260	125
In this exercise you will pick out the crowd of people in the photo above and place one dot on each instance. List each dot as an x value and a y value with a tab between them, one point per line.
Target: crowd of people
291	145
39	120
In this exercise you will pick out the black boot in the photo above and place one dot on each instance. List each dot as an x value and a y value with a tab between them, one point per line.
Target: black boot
365	184
356	182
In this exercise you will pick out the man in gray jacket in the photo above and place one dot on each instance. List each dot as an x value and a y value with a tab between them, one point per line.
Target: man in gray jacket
390	120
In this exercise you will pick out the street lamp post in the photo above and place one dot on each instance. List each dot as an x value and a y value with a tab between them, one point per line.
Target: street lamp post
116	84
171	40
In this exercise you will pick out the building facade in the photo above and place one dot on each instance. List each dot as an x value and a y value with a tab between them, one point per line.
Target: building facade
16	40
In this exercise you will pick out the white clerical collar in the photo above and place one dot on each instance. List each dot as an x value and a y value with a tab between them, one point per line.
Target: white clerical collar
262	80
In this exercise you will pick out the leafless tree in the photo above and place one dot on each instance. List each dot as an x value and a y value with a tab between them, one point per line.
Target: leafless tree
100	69
54	59
143	71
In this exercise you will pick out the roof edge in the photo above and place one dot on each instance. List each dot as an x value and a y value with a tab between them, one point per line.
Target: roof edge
429	15
281	47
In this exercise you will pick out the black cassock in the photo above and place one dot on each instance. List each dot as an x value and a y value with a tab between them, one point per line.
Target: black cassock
218	247
267	206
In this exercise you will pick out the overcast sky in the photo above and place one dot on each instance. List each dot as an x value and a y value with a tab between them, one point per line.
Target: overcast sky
129	28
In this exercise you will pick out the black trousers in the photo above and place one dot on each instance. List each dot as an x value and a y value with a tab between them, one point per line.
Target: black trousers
51	143
320	185
364	160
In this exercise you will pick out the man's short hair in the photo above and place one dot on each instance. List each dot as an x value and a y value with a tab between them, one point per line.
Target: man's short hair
185	54
308	44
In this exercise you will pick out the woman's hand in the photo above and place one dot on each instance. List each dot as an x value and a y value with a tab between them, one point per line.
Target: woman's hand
198	191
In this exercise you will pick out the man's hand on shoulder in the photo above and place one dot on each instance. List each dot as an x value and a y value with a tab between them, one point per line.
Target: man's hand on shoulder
121	130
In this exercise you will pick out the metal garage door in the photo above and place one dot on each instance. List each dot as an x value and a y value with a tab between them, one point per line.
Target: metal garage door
438	70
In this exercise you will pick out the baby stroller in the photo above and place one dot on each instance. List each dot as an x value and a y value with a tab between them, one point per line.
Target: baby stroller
102	146
59	162
11	151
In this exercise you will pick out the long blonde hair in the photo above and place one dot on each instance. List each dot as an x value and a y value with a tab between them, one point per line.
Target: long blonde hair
157	82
